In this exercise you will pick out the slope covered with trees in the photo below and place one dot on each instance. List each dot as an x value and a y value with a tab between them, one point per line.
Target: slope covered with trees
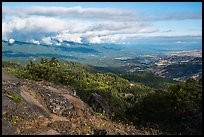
131	98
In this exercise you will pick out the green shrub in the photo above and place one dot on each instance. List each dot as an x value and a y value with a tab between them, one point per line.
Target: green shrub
15	98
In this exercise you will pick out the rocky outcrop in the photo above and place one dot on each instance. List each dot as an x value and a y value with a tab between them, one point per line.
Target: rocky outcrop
48	109
57	103
99	104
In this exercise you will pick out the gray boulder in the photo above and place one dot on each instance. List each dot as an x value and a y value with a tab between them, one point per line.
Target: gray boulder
98	104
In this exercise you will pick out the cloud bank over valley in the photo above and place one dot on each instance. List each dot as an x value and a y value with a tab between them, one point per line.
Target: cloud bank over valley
52	25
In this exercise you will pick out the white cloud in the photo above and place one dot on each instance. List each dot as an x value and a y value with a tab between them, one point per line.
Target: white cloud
180	42
11	41
74	12
95	25
95	13
58	44
33	25
95	40
69	37
120	39
47	40
35	42
186	42
39	27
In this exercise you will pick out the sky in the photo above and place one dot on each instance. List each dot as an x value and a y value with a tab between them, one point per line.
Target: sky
101	22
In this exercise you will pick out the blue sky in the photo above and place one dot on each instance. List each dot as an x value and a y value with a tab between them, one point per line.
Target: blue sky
177	6
149	7
121	21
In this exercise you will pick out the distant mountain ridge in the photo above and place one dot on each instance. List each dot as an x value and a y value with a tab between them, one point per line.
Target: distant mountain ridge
112	57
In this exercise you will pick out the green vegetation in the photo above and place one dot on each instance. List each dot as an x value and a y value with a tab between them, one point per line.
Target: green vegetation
10	67
149	79
156	104
14	120
86	80
15	98
178	111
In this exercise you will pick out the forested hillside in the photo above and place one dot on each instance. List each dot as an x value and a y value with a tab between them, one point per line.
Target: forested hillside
154	104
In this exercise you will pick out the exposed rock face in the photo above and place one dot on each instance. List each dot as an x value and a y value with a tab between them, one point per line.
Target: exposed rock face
49	109
58	104
8	129
99	104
